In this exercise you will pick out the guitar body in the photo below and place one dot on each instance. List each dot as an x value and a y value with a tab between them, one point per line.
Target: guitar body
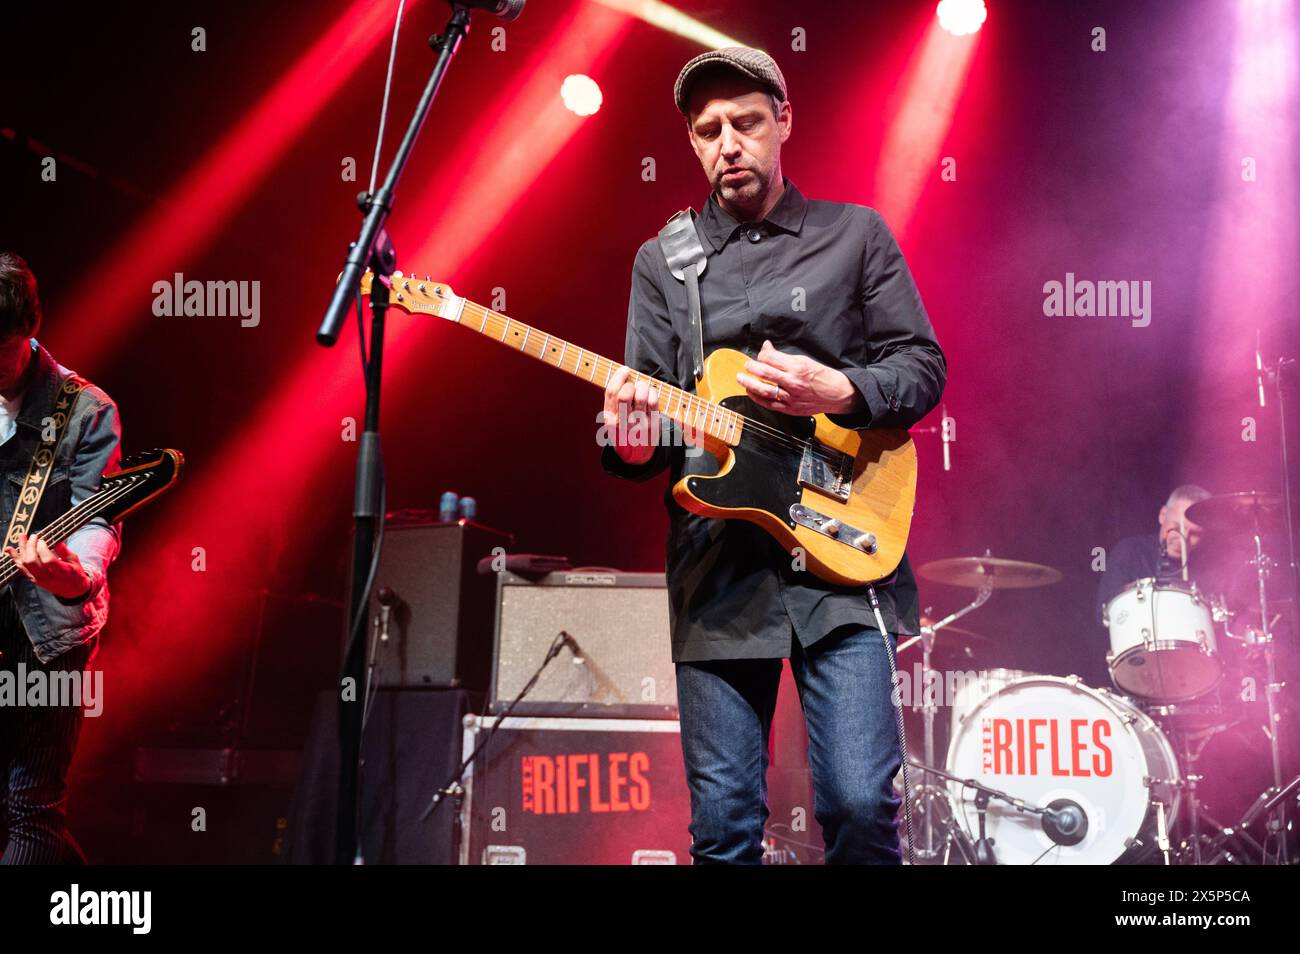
852	527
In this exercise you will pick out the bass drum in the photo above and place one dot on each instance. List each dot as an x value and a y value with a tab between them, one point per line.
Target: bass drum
1045	739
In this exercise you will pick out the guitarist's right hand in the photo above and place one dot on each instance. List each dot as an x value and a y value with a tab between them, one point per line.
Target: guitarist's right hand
628	409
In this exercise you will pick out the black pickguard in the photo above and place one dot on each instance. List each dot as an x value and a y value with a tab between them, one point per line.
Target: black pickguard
765	474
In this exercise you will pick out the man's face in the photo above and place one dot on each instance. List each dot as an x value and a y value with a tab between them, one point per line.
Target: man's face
736	137
1171	529
15	352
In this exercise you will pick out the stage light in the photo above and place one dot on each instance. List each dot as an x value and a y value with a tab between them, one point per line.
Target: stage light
930	86
581	94
961	17
659	14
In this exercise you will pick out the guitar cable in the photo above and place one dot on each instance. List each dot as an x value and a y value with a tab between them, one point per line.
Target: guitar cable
898	718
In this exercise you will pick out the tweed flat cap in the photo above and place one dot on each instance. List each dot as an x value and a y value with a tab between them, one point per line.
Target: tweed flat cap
753	63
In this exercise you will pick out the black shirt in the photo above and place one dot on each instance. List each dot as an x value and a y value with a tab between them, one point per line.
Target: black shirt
1135	558
821	279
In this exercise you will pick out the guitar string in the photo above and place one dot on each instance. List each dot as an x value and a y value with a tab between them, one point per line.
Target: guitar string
757	427
755	423
72	520
59	530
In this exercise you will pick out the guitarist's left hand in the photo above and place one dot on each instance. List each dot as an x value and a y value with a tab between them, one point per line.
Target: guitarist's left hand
57	570
795	384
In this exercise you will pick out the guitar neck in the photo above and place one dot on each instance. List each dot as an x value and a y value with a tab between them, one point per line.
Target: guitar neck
60	529
688	410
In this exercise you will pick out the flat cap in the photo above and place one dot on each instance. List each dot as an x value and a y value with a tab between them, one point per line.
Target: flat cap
746	60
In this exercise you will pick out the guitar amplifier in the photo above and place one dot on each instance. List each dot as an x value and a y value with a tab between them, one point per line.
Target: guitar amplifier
575	791
619	622
440	625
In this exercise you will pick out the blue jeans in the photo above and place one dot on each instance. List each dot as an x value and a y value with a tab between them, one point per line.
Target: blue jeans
726	716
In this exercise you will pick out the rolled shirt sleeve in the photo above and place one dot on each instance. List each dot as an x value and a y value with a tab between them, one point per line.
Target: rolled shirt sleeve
905	369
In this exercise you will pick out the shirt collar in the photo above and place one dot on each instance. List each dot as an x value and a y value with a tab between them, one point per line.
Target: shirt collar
718	224
38	398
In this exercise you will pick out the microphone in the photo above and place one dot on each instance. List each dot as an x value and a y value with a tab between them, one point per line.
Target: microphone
387	599
579	657
1065	822
505	9
948	434
1259	369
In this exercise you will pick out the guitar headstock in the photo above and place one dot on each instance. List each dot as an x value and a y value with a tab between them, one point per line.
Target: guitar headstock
139	479
418	295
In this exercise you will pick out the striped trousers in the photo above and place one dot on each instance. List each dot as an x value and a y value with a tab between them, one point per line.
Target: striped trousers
36	746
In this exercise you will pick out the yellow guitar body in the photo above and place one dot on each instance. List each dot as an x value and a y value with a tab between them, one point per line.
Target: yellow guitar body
851	533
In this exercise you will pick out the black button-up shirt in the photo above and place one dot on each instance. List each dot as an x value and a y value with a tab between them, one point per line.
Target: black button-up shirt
821	279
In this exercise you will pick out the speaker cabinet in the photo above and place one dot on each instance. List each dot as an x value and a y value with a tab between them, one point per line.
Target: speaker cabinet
619	622
440	625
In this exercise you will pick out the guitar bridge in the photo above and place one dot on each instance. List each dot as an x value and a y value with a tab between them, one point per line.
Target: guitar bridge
834	528
827	471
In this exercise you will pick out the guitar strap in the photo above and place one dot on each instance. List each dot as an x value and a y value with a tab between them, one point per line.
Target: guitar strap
38	474
687	260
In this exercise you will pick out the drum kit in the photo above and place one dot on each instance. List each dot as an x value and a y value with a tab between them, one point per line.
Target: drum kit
1045	769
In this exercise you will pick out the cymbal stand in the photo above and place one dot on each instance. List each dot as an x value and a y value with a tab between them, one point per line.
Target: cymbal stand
930	799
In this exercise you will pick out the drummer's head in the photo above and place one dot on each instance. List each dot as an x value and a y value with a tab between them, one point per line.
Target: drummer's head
1173	520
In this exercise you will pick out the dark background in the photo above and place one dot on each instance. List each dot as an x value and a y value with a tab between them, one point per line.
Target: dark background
1070	431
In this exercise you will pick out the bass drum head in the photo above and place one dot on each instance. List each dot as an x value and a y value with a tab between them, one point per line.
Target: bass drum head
1046	738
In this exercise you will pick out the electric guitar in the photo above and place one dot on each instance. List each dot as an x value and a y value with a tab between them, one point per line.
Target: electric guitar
839	499
140	479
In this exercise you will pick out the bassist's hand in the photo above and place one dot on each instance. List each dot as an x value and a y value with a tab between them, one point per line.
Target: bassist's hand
631	417
57	570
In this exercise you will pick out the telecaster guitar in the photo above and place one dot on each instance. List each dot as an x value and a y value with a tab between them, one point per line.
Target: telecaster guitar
839	499
139	480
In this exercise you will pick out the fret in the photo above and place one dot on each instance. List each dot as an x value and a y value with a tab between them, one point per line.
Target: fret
689	410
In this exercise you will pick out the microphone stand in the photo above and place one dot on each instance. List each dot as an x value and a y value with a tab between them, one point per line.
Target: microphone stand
372	249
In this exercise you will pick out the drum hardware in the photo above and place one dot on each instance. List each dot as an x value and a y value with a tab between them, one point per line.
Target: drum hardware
1162	832
1248	512
1063	820
931	798
984	575
1272	804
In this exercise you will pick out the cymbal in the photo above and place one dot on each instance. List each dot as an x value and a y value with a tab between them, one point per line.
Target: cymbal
1235	511
986	571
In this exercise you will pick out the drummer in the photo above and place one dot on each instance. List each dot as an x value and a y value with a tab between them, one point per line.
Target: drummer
1158	555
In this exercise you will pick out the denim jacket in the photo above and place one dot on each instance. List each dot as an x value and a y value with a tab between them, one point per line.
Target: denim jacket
89	448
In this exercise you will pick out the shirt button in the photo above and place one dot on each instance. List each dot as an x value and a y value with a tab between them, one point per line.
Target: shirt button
755	235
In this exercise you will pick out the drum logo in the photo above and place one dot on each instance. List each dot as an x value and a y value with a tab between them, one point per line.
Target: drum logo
580	783
1077	748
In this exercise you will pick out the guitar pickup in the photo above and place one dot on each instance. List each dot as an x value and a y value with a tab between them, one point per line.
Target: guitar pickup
826	471
834	528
